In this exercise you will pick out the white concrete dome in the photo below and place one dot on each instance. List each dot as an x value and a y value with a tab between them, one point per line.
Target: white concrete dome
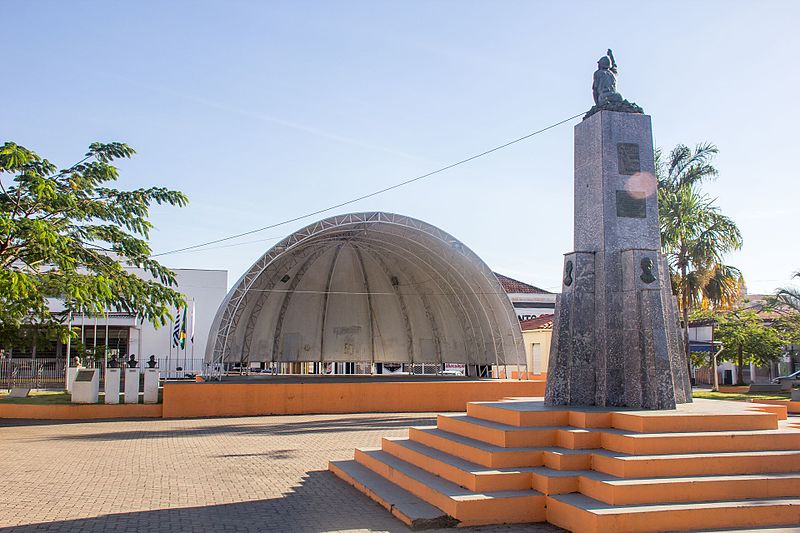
367	287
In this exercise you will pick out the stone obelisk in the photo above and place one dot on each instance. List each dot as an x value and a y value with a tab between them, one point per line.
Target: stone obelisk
616	340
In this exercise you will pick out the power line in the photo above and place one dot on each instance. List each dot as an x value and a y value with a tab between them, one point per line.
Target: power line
370	195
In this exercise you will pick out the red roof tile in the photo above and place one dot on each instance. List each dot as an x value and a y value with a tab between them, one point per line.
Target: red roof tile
540	322
511	285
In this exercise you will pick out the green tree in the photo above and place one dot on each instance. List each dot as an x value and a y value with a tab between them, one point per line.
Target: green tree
747	339
789	296
695	236
66	234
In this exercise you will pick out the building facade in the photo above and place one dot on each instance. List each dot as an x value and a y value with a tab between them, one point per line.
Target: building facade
529	301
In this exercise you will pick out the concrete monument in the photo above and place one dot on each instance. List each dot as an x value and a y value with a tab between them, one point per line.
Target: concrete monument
86	388
615	337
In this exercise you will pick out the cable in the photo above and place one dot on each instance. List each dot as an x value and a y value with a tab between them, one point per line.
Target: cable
375	193
378	293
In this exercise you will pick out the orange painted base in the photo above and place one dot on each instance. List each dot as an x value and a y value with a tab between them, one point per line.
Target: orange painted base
710	464
792	407
187	400
79	412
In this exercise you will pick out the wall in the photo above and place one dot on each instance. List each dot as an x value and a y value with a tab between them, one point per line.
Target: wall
542	337
532	305
249	399
207	288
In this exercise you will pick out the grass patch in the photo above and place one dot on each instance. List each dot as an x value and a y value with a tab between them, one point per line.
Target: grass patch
52	397
709	395
42	397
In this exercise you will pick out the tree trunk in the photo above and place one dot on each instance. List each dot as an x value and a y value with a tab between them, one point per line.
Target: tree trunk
739	364
685	315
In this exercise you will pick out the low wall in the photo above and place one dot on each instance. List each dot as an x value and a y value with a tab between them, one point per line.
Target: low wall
187	400
79	412
792	407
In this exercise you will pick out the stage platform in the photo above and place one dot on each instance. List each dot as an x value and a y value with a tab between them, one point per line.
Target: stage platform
705	465
343	378
310	394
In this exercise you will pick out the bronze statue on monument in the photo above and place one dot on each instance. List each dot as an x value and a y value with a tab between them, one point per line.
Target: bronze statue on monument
604	89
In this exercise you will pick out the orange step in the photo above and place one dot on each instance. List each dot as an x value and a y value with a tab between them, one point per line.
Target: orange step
581	514
463	473
476	451
406	507
695	464
491	456
468	507
701	441
677	422
507	436
531	413
621	491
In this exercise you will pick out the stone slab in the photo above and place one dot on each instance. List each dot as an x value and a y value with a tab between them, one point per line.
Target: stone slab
412	510
19	392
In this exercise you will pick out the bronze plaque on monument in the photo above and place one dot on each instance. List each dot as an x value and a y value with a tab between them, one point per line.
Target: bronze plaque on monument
84	375
629	206
628	158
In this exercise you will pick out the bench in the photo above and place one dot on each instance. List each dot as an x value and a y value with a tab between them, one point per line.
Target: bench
768	387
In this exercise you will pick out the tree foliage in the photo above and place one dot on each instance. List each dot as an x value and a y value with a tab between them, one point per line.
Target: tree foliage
67	234
695	235
789	296
746	338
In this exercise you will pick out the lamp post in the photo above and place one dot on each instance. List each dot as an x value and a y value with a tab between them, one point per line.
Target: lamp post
718	345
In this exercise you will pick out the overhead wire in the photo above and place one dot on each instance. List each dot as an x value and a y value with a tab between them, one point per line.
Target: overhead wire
372	194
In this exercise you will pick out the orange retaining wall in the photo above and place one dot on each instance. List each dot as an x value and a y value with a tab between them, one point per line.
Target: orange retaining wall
79	412
791	406
186	400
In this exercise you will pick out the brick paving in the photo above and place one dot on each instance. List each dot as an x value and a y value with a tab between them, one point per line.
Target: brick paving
232	474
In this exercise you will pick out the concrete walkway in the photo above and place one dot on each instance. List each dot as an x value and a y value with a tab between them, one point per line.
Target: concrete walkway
234	474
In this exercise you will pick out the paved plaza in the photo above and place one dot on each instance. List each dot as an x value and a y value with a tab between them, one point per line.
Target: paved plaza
232	474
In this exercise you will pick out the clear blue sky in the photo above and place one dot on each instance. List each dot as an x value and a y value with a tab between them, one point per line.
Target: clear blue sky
261	111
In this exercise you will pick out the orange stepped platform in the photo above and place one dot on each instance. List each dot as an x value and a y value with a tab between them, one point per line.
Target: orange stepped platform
710	464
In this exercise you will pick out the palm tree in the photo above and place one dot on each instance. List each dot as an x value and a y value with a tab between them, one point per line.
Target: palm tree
694	234
789	295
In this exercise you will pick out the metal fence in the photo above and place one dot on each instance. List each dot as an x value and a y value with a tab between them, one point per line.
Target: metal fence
32	373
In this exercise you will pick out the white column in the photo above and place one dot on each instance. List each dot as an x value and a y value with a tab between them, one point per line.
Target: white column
151	385
131	385
71	372
112	385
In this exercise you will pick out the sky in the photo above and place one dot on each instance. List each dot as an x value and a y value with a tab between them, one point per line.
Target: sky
264	111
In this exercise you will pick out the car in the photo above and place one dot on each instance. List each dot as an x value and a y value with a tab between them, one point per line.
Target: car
450	372
794	377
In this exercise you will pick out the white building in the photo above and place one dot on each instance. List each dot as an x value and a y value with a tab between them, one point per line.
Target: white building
124	334
528	301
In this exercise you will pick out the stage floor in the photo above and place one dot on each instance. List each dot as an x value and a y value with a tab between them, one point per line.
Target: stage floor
343	378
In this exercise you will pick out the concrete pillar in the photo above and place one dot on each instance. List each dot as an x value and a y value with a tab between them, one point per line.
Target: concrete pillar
112	385
131	385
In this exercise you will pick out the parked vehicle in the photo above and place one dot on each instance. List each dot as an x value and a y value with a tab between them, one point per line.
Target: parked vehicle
794	377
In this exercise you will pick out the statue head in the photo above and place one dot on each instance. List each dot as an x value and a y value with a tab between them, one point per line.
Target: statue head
604	63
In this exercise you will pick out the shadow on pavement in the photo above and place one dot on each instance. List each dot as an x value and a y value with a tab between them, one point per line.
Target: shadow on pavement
265	429
319	504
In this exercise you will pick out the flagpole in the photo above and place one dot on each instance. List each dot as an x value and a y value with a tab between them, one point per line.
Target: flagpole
105	352
192	337
169	351
69	351
83	330
184	318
